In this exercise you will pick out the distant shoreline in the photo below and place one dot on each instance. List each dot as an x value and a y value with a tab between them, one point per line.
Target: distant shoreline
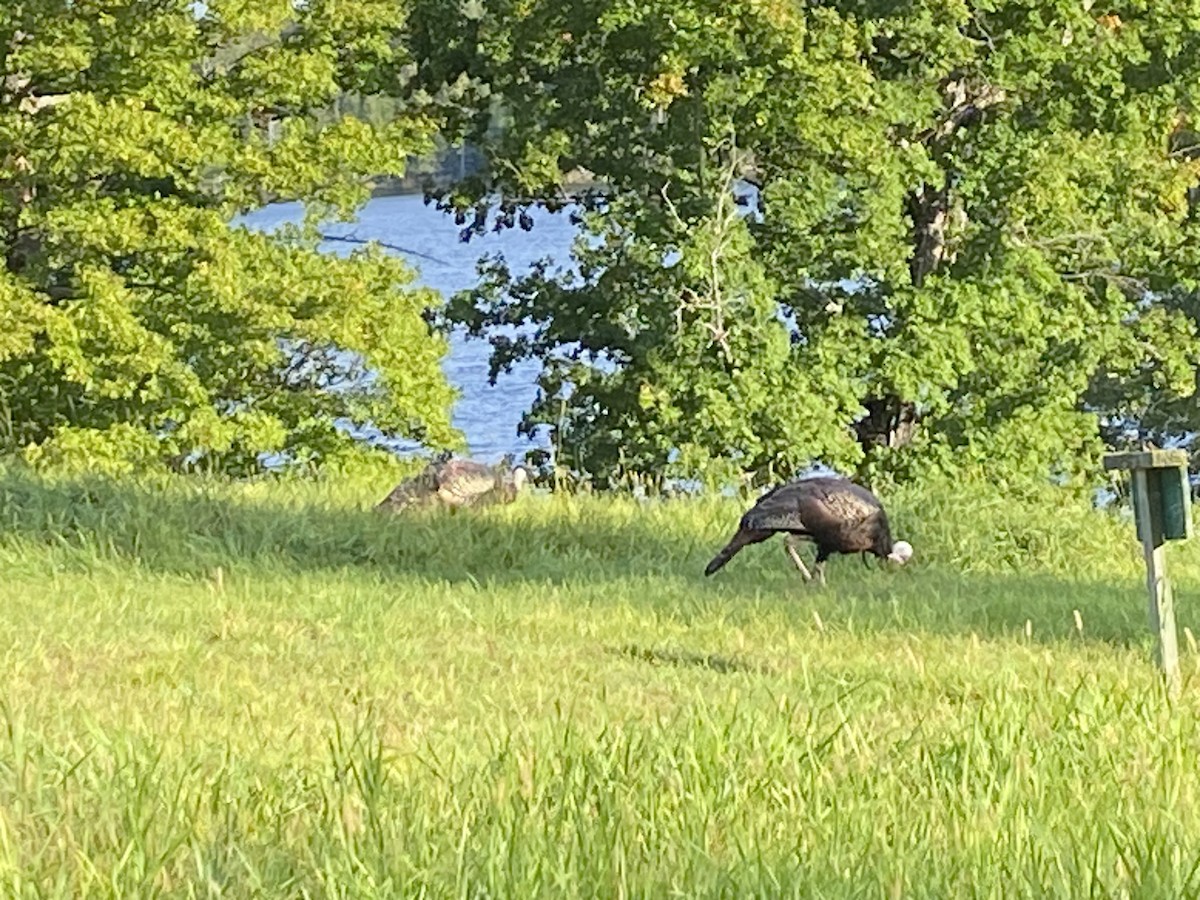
390	186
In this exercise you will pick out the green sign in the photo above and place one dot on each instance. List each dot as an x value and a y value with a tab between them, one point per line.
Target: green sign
1170	505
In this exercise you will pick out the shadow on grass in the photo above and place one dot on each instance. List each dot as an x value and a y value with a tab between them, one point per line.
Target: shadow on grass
192	528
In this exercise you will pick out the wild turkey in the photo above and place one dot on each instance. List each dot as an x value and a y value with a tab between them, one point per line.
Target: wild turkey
456	483
837	515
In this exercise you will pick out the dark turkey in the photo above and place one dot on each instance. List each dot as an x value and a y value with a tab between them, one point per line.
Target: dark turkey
457	483
837	515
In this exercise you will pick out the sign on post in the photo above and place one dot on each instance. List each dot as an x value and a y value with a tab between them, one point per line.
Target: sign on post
1162	509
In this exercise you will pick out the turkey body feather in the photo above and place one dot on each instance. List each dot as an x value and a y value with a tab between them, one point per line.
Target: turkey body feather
456	483
836	514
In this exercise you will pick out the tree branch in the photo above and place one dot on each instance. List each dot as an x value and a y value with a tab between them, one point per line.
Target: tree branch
18	87
1130	286
963	105
218	68
354	239
1191	150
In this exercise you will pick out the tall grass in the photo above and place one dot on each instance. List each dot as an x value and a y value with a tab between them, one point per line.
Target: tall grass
265	689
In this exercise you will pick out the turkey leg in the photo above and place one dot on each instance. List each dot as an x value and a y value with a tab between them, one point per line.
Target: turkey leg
789	545
819	565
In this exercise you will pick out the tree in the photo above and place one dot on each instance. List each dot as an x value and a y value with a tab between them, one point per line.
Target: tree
967	216
138	324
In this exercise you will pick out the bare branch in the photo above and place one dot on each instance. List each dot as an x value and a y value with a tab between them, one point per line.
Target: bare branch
963	105
28	101
978	22
33	104
1191	150
212	68
355	239
714	230
1127	284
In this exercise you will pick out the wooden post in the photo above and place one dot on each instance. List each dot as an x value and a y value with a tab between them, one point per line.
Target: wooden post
1162	511
1158	587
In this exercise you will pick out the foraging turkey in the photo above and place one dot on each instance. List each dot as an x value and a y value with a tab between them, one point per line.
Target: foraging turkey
457	483
837	515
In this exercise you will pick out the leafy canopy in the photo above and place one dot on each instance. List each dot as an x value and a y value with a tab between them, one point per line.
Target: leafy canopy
137	324
969	220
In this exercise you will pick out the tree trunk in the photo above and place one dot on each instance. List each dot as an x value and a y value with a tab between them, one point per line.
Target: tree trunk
929	209
891	420
17	92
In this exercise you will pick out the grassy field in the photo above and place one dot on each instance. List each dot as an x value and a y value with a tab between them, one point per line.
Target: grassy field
266	690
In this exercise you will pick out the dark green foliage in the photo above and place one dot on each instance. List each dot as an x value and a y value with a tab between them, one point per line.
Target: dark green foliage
964	207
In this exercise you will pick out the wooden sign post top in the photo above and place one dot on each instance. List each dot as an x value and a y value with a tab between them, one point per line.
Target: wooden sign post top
1147	459
1162	476
1162	510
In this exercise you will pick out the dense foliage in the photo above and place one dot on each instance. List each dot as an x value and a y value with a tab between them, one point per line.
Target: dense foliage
137	324
971	238
933	235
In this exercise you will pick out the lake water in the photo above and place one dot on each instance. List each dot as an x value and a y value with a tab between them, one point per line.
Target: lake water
486	414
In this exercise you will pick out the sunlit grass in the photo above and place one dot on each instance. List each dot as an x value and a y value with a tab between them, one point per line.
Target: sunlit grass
268	690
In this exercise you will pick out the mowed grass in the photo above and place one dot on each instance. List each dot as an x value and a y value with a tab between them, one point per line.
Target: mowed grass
268	690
